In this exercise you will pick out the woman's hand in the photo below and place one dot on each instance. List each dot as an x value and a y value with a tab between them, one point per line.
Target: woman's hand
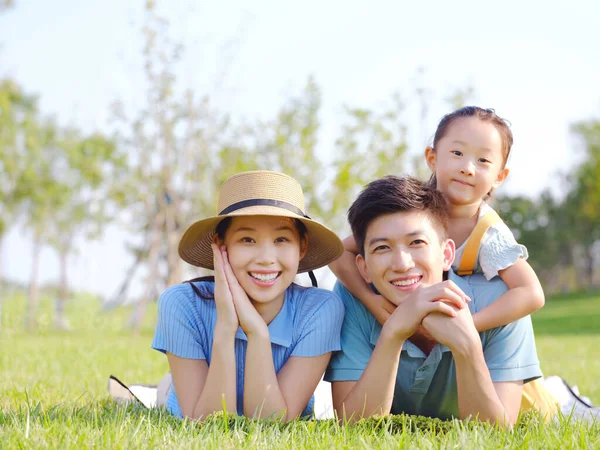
250	320
227	318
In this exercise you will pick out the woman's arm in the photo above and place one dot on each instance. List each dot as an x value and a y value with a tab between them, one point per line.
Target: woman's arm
524	296
287	393
262	395
284	395
345	270
267	395
202	390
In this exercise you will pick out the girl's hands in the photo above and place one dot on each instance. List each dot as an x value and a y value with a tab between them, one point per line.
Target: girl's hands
250	320
227	318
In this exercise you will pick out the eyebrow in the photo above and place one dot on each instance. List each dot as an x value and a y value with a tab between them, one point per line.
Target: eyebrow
385	239
465	144
246	229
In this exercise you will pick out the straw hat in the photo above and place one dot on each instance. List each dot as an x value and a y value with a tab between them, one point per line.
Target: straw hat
263	193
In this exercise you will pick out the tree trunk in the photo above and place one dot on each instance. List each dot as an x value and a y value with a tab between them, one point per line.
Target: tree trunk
589	267
174	262
155	241
60	321
33	297
117	299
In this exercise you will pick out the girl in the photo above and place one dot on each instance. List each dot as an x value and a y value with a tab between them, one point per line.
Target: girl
250	340
468	160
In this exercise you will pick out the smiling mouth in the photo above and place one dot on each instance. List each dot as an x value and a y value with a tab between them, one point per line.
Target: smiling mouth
407	282
264	277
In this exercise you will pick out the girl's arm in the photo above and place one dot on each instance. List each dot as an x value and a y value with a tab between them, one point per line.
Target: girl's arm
524	296
345	270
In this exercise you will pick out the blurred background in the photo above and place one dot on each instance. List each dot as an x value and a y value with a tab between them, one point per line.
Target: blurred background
120	119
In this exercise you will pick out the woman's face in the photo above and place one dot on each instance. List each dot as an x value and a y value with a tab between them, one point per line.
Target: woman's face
264	253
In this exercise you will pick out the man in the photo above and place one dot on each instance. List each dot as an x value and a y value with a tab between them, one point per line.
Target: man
428	358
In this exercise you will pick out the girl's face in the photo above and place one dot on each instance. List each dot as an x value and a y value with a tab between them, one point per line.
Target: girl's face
264	254
468	161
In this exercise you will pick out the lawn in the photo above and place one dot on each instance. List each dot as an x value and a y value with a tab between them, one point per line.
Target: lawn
53	391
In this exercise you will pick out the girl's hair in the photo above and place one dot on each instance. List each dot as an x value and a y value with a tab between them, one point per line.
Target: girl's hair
485	115
222	227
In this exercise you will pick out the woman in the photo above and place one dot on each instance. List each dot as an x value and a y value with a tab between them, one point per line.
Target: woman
251	340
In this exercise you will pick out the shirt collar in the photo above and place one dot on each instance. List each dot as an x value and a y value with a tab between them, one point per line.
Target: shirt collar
280	328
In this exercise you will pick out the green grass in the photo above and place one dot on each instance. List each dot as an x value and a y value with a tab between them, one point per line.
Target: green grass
53	391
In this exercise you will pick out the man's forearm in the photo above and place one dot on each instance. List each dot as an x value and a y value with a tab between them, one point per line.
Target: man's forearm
477	396
374	391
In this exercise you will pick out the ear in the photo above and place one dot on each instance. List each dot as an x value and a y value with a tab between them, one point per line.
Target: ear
430	157
362	268
449	251
216	240
303	246
502	175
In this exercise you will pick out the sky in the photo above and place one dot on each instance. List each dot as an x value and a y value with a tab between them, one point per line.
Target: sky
536	65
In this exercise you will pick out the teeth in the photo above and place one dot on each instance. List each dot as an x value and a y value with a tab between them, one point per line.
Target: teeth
405	282
264	276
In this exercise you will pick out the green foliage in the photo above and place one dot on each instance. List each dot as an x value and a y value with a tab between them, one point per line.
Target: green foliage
372	145
584	198
17	129
54	176
560	233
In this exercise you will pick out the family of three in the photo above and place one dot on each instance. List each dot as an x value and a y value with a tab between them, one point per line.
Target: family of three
401	331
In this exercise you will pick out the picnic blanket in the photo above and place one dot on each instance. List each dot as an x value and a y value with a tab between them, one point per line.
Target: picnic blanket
572	403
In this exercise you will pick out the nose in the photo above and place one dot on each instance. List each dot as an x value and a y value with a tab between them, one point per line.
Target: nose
266	254
468	168
403	261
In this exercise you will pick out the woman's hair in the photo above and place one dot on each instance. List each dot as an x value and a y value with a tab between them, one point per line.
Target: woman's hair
220	230
485	115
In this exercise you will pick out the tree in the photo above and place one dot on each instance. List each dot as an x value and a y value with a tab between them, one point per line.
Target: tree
584	196
88	166
18	121
173	144
371	145
539	224
182	149
42	192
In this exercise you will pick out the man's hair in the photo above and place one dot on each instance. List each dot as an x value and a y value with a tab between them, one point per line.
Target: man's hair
393	194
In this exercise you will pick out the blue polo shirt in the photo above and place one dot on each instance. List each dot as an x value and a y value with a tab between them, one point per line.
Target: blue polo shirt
308	324
426	384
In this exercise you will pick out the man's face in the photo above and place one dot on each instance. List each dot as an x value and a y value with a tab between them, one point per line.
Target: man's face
403	252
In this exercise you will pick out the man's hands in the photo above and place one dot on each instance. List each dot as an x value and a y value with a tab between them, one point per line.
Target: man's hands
445	299
458	333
